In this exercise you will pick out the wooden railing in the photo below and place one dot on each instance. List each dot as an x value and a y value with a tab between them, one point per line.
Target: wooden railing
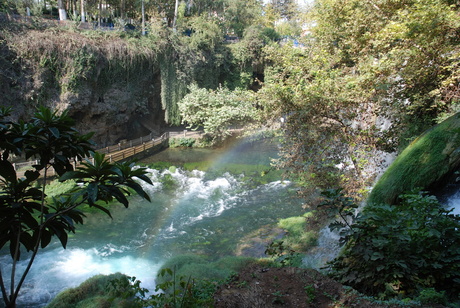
122	150
130	148
114	153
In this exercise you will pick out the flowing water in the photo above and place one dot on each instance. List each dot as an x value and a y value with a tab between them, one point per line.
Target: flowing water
191	212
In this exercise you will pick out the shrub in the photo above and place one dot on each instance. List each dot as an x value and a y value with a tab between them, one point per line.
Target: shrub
431	296
401	249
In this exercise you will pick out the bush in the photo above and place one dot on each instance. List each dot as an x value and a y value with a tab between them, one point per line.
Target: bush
402	249
431	296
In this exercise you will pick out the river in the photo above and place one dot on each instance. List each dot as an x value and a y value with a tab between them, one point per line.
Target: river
206	213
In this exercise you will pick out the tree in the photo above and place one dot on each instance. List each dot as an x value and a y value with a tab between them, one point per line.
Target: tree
217	111
240	14
82	10
285	8
371	75
62	12
28	219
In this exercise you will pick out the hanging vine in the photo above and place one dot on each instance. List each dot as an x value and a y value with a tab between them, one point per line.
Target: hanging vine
173	89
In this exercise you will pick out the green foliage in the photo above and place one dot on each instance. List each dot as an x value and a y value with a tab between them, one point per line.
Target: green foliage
362	62
206	33
217	111
431	296
182	142
336	204
172	88
56	188
402	249
29	220
310	290
283	255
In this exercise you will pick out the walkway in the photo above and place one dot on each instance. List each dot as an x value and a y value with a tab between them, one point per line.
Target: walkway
127	149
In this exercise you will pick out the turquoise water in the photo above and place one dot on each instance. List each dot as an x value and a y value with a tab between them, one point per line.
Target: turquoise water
196	212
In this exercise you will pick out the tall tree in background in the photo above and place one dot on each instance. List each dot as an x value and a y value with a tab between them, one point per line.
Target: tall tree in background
82	10
287	9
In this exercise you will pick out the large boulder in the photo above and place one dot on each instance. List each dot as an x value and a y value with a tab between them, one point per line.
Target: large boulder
428	163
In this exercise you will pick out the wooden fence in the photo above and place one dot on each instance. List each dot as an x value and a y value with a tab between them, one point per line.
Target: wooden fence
114	153
123	150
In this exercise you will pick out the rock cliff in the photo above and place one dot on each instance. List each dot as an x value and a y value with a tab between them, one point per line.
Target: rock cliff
110	85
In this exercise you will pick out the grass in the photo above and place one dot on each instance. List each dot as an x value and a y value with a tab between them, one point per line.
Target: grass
201	268
428	160
298	237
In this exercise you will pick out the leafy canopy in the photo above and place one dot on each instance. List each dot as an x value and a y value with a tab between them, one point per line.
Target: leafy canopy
217	111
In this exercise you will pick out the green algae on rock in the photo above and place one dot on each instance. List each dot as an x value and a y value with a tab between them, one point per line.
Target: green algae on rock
426	163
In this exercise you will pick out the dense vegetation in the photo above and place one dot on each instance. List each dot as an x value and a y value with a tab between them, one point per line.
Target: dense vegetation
367	77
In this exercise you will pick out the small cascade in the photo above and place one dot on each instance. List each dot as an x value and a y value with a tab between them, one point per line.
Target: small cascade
327	249
453	203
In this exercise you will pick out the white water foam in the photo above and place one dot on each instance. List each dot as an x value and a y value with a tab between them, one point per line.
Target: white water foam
327	249
196	198
58	269
453	203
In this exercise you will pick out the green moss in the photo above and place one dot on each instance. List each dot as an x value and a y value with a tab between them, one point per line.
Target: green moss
91	293
428	160
160	165
201	165
201	268
298	237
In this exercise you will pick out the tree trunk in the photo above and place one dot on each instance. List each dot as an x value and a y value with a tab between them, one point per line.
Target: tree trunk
61	9
100	13
143	18
82	10
176	8
122	9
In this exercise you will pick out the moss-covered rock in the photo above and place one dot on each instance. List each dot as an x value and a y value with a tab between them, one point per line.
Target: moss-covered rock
97	291
425	164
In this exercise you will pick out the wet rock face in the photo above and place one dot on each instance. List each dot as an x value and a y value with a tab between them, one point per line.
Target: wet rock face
108	86
116	111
